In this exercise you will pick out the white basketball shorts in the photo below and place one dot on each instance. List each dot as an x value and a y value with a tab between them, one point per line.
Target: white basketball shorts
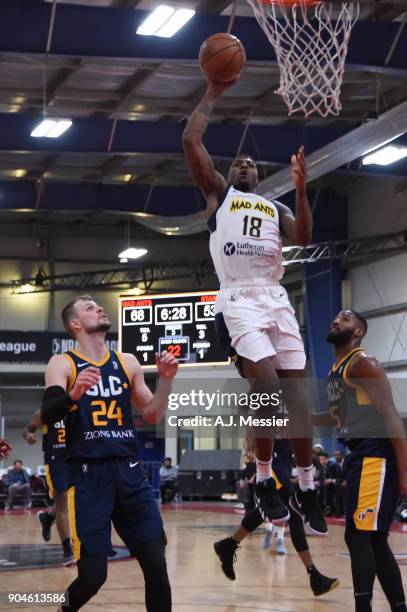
261	323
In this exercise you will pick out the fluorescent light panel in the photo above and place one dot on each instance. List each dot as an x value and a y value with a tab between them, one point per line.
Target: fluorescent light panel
132	253
384	157
51	128
165	21
155	20
175	23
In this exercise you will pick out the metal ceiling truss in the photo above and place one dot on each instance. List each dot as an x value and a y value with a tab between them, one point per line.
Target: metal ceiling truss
141	275
145	276
353	250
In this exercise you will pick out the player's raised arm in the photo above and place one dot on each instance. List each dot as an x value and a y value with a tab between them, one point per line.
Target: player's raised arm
152	406
371	376
298	229
56	400
199	161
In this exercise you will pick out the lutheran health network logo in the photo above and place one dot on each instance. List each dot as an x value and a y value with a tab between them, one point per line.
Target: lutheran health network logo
229	248
247	249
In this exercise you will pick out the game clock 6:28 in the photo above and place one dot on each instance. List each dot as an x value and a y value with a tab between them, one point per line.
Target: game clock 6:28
173	313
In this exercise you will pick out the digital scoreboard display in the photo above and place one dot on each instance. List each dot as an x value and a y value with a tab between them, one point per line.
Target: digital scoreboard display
181	323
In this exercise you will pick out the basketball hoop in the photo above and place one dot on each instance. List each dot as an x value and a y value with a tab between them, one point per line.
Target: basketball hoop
310	39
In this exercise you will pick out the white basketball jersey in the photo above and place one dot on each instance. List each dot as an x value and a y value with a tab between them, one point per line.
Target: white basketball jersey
245	241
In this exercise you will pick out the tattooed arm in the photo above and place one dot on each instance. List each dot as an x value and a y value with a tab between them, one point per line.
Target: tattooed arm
211	183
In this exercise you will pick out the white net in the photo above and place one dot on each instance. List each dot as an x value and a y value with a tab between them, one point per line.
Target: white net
310	43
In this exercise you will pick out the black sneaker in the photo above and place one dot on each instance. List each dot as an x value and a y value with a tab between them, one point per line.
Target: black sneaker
306	504
269	502
226	551
68	558
46	519
321	584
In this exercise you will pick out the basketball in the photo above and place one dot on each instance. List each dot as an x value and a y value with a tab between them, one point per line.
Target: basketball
222	57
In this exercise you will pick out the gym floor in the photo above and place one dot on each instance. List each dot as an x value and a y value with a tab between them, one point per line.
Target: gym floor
265	581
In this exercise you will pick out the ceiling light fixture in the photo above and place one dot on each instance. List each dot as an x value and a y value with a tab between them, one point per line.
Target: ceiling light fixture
51	128
165	21
131	253
138	291
385	156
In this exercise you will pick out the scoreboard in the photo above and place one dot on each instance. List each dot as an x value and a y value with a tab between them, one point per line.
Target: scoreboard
181	323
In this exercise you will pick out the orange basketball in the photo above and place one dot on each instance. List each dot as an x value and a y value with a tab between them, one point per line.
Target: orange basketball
222	57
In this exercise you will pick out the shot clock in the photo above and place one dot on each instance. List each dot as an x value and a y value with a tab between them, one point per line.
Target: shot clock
181	323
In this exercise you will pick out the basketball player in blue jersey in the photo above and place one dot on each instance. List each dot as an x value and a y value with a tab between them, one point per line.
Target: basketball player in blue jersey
93	389
57	477
363	412
252	310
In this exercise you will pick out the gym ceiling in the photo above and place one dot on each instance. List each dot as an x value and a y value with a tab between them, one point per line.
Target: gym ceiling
128	97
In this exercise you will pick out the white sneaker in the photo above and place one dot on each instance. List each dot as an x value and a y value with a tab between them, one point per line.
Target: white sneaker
266	543
280	548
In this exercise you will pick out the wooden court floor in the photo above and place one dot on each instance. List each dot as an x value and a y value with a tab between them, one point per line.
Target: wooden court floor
265	582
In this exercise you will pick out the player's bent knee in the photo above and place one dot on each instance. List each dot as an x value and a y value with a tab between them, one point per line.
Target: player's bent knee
252	520
151	556
92	572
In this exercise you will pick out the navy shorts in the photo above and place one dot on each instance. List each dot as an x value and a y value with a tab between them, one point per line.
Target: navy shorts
372	487
112	491
57	475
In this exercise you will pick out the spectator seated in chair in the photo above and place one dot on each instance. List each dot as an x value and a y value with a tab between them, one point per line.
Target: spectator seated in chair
168	481
18	482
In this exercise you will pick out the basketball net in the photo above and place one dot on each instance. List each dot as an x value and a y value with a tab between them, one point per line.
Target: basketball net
310	40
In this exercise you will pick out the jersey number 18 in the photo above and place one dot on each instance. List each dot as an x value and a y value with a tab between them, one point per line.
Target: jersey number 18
251	226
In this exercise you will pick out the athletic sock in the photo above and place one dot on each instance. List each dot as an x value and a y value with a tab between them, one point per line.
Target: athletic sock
269	526
279	529
306	477
66	545
263	470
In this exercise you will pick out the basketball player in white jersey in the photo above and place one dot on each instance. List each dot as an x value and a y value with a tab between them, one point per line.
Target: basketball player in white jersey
246	248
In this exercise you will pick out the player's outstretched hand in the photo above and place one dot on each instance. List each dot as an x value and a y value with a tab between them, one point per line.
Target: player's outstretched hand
167	365
85	380
5	449
299	169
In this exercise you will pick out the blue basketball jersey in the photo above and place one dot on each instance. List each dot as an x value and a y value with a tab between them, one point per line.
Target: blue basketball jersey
100	424
53	441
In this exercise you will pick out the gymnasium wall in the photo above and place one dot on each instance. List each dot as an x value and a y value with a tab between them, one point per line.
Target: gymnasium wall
380	207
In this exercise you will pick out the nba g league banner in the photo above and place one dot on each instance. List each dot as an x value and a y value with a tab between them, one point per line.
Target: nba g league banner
38	347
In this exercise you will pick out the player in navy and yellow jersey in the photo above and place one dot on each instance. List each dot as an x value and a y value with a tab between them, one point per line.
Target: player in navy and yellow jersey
363	412
281	473
57	476
93	389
